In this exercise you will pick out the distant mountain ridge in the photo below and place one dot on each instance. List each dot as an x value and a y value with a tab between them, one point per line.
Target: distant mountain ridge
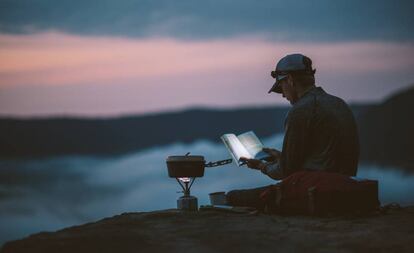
62	136
25	138
386	131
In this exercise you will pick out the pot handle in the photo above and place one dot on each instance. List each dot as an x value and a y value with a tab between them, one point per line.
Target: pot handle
218	163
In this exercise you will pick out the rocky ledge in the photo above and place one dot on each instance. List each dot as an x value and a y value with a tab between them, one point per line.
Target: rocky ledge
224	231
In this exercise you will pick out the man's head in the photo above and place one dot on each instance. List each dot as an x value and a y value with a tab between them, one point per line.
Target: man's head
294	75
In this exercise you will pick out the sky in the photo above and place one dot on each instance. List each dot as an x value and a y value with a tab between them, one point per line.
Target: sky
111	58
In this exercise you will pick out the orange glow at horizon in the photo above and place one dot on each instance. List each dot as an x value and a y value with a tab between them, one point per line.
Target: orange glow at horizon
57	59
55	73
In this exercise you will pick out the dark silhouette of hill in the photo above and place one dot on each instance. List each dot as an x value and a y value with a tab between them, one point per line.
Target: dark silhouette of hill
387	131
20	138
62	136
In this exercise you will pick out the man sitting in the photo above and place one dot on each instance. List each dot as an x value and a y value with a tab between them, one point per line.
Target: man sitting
320	131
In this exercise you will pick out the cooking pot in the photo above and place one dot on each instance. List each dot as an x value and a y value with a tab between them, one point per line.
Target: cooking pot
190	165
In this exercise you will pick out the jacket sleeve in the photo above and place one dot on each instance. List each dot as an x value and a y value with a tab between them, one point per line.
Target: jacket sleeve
273	171
294	147
294	142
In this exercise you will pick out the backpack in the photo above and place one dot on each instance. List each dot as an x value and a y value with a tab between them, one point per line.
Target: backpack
321	193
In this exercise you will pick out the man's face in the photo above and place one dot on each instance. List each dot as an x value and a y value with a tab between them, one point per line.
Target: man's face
288	90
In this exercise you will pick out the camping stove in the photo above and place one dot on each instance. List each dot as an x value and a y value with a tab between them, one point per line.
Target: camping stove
185	169
187	202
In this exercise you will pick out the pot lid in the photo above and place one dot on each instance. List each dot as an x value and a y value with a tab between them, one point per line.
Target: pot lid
188	158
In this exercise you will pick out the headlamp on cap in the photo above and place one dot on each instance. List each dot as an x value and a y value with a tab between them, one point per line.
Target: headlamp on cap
290	64
276	73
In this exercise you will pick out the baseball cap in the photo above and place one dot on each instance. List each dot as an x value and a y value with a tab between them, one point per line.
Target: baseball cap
292	63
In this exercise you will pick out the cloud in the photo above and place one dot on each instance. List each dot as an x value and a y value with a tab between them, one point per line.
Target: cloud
304	20
66	191
49	194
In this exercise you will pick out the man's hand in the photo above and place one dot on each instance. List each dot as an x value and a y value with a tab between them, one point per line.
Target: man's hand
274	154
253	163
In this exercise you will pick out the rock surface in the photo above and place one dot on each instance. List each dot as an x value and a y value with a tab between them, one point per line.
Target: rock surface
221	231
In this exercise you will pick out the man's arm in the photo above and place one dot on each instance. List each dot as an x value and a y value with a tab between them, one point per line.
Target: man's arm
297	131
272	170
291	159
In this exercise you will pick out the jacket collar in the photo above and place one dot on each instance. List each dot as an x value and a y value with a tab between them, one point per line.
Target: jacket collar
315	90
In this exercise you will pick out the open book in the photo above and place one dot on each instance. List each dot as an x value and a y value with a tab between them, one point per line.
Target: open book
244	145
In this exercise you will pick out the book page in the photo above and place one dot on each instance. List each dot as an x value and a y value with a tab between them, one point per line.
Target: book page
235	147
253	145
